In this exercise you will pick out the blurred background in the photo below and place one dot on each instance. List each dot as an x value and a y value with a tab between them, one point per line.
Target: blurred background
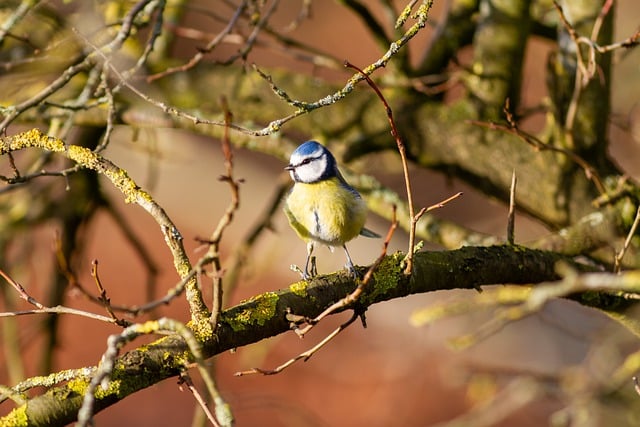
390	373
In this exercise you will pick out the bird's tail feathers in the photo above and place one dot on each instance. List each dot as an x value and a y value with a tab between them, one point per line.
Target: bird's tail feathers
368	233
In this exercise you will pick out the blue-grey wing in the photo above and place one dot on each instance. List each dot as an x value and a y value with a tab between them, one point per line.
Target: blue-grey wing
368	233
365	231
346	185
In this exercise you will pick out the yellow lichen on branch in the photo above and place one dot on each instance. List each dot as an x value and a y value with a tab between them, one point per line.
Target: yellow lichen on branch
28	139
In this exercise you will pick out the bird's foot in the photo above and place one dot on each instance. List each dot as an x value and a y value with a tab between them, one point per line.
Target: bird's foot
307	273
303	274
314	269
352	270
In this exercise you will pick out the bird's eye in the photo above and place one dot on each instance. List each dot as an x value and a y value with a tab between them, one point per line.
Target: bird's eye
305	162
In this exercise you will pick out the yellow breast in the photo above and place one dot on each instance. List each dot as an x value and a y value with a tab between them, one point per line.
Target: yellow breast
326	212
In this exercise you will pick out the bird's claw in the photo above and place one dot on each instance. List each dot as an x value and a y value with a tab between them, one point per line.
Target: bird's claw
305	274
352	271
298	270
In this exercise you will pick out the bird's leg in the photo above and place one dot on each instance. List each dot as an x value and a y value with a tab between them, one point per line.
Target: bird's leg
314	268
309	274
349	264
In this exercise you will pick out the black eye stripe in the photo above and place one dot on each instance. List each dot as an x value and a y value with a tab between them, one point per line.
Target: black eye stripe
308	160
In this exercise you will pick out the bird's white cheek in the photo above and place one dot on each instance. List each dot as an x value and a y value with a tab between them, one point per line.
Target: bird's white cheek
305	173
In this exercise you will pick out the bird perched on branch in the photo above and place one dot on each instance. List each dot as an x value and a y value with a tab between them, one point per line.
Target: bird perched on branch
321	206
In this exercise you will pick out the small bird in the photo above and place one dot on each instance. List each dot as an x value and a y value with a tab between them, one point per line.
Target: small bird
321	206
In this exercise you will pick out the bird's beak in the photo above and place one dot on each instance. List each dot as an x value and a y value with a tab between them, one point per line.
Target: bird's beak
289	168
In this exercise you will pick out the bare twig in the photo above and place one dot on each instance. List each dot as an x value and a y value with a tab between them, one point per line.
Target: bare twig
265	15
511	219
74	284
439	205
304	13
583	75
129	232
414	217
617	260
199	56
630	41
106	302
59	310
597	25
512	128
587	68
226	220
172	293
21	291
47	91
9	22
302	356
420	15
186	379
405	165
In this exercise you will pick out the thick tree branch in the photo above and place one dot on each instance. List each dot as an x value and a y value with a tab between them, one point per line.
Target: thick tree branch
265	315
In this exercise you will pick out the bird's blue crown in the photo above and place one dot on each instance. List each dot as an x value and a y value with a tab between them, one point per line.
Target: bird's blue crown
310	148
313	162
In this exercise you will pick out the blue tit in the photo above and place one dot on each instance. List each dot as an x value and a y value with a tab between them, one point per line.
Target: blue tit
321	206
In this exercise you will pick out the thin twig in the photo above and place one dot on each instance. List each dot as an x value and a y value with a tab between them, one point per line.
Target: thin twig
172	293
617	260
199	56
512	128
302	356
214	241
440	204
106	302
74	284
405	165
21	291
186	379
597	25
586	72
421	17
511	219
59	310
